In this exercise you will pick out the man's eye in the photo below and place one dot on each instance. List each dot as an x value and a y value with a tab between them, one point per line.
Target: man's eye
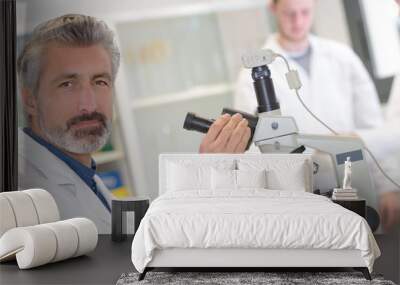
66	84
102	83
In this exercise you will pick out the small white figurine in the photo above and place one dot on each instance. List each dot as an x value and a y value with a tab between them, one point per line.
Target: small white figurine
347	175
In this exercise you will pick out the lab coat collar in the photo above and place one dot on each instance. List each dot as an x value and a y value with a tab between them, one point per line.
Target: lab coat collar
84	172
317	49
62	178
273	44
49	165
103	189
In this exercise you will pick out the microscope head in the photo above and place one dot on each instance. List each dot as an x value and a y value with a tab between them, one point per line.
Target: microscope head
258	58
263	86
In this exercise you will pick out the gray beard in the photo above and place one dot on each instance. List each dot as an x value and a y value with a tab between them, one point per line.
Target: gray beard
81	142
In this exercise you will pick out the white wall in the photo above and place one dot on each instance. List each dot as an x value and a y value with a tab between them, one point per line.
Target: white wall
330	21
240	32
333	26
42	10
383	37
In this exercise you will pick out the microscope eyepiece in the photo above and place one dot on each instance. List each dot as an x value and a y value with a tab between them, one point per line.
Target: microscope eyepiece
196	123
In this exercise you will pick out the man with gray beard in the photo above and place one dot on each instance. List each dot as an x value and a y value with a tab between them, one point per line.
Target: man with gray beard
66	76
66	73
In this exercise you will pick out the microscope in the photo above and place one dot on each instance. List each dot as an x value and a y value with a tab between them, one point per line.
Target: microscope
273	133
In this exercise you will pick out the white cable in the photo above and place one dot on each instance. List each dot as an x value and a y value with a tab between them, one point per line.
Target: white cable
312	114
296	88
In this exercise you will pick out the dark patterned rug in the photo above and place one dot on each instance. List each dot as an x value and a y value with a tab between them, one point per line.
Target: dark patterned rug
243	278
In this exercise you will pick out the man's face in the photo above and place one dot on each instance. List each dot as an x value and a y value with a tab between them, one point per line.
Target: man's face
295	18
73	106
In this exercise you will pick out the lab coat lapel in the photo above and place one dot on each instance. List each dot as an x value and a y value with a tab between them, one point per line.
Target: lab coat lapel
317	71
52	167
322	85
103	189
98	212
48	164
273	44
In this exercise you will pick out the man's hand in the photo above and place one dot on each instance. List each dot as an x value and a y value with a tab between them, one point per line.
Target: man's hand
390	209
228	134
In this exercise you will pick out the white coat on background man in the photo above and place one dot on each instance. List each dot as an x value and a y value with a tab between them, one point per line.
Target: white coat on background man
39	168
338	89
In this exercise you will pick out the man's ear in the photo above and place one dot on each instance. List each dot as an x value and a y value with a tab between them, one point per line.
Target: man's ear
29	102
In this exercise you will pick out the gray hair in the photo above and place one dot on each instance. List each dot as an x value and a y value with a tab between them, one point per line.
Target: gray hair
71	30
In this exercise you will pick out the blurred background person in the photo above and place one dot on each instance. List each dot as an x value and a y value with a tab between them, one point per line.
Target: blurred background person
333	77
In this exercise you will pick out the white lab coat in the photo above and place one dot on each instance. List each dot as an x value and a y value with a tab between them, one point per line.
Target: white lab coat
385	143
338	90
39	168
